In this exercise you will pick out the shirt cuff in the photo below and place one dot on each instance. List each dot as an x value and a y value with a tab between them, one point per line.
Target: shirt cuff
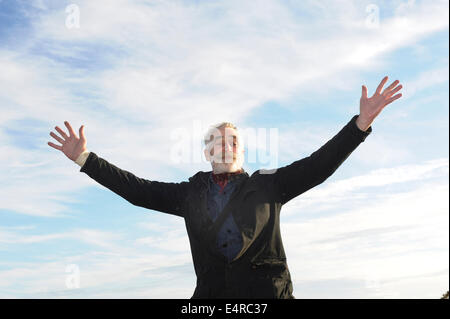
356	131
82	158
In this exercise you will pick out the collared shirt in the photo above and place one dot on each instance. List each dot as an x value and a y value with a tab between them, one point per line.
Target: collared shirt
229	238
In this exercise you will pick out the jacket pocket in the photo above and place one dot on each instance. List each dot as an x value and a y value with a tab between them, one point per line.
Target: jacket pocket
269	267
269	277
268	261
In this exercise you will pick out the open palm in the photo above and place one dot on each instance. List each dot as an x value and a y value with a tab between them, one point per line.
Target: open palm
72	146
369	108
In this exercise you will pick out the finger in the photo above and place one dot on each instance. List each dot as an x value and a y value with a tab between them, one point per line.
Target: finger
394	91
392	99
55	146
71	131
390	87
63	134
56	137
364	92
380	86
81	131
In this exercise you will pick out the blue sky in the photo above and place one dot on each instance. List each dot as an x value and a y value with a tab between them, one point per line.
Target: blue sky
135	72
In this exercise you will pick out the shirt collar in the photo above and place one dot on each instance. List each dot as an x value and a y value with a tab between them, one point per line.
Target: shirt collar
226	177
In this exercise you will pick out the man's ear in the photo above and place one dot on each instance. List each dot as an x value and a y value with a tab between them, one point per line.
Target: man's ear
207	155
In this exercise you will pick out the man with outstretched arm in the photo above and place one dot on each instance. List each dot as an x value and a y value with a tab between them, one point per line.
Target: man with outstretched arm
233	219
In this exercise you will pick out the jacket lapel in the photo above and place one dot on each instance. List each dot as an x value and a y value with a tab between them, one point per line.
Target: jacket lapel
211	228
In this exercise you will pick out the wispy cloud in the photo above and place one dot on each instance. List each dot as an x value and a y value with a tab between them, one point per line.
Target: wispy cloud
380	182
427	79
363	236
398	229
135	71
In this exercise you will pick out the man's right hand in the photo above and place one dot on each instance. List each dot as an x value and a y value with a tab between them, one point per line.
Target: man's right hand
72	146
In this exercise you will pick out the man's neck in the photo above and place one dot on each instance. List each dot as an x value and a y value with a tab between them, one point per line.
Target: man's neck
222	178
218	172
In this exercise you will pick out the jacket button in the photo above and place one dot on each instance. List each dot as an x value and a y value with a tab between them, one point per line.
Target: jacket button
253	266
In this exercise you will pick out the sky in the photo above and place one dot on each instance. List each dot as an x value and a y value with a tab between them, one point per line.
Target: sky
147	78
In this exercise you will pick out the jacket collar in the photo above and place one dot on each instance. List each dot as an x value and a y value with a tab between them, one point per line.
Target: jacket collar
201	177
226	177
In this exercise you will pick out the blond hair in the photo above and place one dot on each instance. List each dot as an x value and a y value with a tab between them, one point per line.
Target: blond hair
209	136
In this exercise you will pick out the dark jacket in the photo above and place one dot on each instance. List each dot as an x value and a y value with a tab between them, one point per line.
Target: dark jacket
260	269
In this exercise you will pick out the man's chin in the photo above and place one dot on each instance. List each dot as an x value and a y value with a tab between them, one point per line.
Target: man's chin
225	168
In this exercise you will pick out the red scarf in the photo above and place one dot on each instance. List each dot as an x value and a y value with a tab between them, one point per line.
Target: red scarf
222	178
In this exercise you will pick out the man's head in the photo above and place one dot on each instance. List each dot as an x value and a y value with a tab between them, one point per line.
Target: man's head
224	148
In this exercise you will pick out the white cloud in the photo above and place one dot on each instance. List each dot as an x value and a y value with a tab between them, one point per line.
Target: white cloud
397	229
383	242
426	79
90	236
378	183
101	276
164	237
134	72
112	264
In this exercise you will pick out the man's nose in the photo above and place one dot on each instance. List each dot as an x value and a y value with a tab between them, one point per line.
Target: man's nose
228	147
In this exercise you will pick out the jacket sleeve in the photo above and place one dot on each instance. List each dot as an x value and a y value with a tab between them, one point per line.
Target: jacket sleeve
160	196
296	178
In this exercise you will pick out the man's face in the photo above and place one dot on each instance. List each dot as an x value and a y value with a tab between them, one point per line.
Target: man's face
225	151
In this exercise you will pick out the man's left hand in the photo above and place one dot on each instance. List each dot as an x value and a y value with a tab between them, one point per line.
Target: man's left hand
369	108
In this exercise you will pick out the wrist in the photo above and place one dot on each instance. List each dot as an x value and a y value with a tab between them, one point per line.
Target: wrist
81	159
362	124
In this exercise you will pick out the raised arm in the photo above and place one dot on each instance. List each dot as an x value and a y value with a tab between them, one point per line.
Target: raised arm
294	179
164	197
160	196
